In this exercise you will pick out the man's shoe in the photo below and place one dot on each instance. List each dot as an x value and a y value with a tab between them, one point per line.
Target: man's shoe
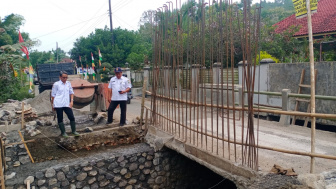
108	123
75	133
64	135
121	124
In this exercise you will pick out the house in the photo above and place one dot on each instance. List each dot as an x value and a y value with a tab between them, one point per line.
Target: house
323	21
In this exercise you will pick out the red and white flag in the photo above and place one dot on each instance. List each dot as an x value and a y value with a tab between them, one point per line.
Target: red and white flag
24	48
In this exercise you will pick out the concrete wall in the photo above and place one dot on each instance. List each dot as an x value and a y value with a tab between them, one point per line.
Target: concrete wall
277	76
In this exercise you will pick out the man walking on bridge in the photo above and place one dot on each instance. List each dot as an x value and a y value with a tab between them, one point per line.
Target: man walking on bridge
118	88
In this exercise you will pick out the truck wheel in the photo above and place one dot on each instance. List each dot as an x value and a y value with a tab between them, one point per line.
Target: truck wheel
128	101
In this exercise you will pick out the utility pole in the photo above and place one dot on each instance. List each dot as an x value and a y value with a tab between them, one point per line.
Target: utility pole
111	26
312	85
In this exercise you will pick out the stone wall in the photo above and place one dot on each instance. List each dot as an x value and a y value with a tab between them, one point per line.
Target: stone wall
138	167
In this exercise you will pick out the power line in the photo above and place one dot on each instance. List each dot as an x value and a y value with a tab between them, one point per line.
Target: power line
66	27
100	17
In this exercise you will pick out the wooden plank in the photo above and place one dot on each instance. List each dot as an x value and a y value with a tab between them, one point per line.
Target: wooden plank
2	171
31	158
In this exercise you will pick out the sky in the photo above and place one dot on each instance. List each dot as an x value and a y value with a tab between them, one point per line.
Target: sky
63	21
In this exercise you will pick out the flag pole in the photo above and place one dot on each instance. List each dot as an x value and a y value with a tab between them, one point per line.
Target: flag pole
312	83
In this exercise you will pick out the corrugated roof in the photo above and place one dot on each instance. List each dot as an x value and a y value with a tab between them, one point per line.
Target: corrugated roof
323	21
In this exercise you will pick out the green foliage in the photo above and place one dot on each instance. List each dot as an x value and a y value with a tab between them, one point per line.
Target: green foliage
11	60
264	55
125	43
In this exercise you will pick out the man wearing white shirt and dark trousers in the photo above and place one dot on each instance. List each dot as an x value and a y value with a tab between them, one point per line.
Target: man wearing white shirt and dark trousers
62	100
118	88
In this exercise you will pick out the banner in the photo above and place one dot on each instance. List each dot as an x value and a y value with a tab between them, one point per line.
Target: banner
301	8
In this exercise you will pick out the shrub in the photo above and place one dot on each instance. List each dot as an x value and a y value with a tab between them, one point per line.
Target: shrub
264	54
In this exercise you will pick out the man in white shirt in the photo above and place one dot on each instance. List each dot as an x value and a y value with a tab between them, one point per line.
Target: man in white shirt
118	88
62	100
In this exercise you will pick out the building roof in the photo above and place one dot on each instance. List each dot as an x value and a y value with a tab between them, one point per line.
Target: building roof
323	21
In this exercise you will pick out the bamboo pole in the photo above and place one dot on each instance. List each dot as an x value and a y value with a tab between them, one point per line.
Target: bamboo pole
22	142
28	184
3	154
312	84
1	171
31	158
22	116
303	114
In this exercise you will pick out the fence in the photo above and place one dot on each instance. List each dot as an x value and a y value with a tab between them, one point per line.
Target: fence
205	113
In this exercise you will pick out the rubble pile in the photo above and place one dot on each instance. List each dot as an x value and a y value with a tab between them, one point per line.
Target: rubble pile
41	103
11	112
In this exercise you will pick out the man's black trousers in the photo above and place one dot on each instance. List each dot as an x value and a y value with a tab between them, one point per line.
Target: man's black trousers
113	106
67	111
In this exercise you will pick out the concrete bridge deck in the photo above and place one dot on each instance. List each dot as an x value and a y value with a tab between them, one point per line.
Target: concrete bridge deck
212	154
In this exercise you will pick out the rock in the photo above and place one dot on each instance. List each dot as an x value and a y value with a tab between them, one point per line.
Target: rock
133	167
65	169
121	158
148	164
89	168
129	187
22	153
80	184
94	186
132	181
93	173
81	176
112	166
52	181
101	177
35	132
159	180
72	186
39	175
65	183
100	164
40	122
32	123
21	146
109	176
84	164
92	180
122	183
10	176
142	160
24	159
16	164
146	171
136	172
133	159
123	171
50	173
88	129
60	176
128	175
141	167
116	179
40	182
30	179
104	183
48	123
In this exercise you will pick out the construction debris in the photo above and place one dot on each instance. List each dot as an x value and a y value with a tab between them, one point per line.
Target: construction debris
277	169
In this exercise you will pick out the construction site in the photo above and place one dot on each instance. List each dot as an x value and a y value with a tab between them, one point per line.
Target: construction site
197	117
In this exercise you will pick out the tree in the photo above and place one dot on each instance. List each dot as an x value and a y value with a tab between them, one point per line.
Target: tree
11	60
